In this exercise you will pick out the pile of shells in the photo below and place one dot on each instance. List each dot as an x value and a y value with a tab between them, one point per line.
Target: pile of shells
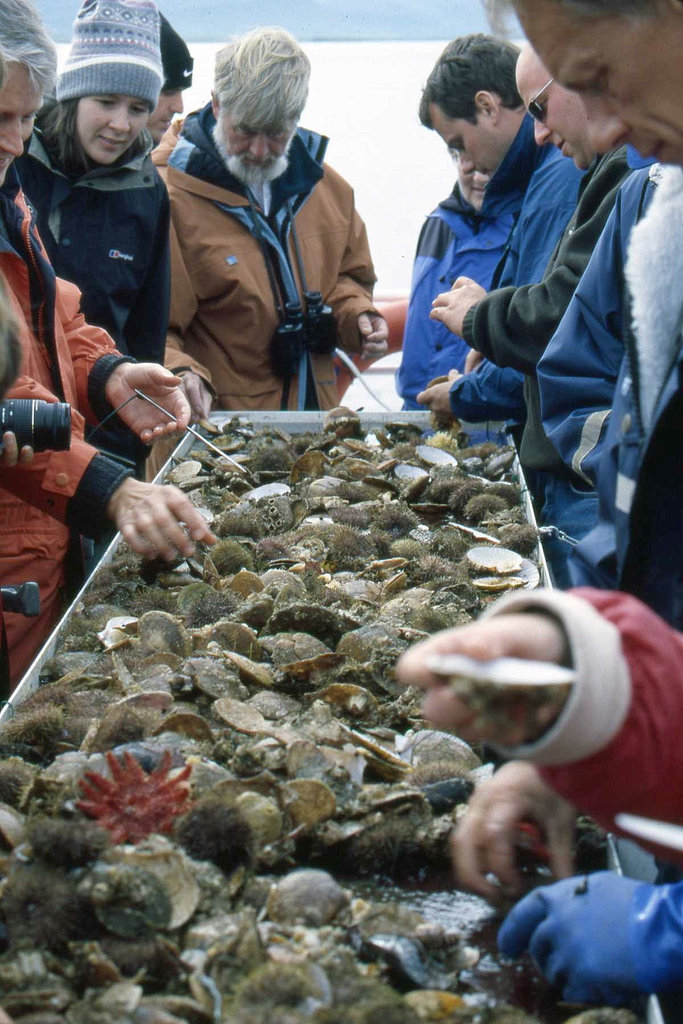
220	747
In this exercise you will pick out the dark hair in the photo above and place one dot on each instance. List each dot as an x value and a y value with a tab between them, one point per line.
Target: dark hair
57	124
467	65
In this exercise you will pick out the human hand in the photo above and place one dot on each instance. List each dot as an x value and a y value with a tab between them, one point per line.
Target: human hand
577	932
537	637
198	396
472	360
11	455
158	384
450	307
486	839
437	397
374	335
157	520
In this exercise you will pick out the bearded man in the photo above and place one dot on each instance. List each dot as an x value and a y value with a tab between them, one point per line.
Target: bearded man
271	268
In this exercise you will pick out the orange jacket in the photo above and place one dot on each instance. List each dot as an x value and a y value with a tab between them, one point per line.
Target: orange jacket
41	500
222	308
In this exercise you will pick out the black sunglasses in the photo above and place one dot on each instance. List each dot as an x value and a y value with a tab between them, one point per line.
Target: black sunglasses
536	109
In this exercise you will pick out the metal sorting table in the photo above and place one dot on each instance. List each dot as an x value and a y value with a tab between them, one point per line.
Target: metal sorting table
292	422
625	857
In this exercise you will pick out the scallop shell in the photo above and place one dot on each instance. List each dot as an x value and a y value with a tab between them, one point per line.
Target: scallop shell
184	472
355	700
251	672
160	631
307	801
267	491
495	559
494	584
310	464
435	456
187	723
245	583
118	630
307	895
502	672
170	867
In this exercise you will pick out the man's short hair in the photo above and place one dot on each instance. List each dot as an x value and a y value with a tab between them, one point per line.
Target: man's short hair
262	78
468	65
24	41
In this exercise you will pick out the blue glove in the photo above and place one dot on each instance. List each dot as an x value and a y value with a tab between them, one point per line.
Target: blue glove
577	932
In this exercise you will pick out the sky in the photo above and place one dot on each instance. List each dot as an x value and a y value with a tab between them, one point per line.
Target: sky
209	20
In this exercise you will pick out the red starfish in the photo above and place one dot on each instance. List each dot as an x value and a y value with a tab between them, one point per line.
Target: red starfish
131	805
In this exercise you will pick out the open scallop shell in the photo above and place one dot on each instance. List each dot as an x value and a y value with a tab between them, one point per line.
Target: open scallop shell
502	561
435	456
496	689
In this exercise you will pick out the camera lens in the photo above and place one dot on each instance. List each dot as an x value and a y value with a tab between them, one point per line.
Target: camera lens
45	426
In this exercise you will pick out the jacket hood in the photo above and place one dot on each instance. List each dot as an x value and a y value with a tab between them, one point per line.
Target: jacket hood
195	154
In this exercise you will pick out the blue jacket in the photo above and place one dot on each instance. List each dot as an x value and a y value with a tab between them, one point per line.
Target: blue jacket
108	233
455	241
636	545
551	192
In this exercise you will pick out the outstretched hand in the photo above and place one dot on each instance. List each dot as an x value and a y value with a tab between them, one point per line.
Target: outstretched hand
157	520
437	397
537	637
450	308
160	385
486	839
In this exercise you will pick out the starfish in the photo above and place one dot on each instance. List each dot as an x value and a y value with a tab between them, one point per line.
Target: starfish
131	804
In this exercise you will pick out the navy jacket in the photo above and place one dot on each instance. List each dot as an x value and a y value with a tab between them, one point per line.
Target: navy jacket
456	240
632	452
108	233
551	183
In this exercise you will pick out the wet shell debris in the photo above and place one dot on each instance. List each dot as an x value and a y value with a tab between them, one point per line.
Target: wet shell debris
219	750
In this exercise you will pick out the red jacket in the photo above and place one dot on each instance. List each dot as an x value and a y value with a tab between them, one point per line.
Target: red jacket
62	358
616	747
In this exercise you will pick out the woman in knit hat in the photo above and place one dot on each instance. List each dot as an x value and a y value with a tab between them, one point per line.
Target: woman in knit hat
101	206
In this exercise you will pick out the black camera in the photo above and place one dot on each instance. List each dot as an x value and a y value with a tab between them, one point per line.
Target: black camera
45	426
321	327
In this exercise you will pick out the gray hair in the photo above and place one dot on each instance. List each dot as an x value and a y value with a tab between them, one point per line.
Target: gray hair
261	79
497	10
24	41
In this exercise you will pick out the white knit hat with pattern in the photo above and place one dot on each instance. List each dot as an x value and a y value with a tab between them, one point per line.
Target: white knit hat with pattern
114	50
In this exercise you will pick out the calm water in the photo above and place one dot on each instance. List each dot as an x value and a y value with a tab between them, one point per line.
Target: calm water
364	96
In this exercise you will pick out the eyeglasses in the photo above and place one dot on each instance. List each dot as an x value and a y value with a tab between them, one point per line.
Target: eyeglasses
536	109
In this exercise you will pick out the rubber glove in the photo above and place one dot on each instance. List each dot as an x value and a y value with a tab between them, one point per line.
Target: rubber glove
577	932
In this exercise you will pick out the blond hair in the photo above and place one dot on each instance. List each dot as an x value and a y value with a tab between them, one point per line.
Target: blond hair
261	79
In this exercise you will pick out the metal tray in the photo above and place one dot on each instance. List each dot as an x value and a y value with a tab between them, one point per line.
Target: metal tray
291	422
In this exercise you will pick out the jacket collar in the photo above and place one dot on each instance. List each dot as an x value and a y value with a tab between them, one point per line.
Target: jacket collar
196	155
519	163
36	149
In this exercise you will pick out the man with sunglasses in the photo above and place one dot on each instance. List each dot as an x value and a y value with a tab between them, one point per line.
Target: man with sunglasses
512	326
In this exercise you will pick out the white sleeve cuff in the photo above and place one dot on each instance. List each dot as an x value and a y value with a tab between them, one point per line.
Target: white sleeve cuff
601	696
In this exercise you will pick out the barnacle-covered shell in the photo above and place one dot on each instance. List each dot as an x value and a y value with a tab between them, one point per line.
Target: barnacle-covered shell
309	896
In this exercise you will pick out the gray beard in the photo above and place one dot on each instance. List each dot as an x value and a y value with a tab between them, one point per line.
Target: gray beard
251	175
